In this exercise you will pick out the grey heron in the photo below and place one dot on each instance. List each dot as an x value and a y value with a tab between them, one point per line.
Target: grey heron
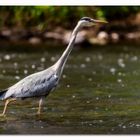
40	84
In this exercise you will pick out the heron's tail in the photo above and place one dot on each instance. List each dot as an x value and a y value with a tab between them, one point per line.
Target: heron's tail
2	94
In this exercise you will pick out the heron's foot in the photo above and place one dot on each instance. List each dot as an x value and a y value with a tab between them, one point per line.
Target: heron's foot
2	115
38	113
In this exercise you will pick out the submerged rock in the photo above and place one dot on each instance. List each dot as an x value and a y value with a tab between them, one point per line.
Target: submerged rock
115	37
35	40
81	37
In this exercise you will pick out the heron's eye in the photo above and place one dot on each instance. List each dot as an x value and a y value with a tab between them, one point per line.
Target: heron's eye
86	19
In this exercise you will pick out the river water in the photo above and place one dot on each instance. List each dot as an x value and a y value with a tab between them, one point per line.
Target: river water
98	92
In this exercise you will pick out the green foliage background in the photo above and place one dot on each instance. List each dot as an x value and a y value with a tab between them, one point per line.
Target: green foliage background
48	16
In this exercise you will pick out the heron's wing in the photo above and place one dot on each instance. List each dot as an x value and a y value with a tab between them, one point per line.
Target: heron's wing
34	85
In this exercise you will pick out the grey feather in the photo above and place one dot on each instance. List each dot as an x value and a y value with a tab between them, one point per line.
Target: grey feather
35	85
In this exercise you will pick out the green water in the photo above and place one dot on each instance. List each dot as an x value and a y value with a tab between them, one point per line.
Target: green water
98	93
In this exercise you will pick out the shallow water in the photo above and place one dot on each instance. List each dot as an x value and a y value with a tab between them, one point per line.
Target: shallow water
98	93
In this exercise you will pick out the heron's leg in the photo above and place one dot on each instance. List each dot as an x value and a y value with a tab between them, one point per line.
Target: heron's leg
40	105
6	104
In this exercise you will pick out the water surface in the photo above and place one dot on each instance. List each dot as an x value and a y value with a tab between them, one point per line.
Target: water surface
98	93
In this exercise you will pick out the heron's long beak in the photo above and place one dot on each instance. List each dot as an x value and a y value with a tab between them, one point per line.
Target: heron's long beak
100	21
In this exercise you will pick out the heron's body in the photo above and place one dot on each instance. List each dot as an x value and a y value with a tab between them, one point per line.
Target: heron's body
40	84
35	85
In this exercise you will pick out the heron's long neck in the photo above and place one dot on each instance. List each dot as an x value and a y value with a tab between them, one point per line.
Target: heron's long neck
59	65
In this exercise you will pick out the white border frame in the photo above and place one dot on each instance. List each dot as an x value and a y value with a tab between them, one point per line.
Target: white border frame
70	2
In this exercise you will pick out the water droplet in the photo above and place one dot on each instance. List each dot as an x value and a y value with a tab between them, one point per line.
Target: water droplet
87	102
96	107
100	121
112	129
134	58
137	125
100	57
97	98
119	80
42	59
109	96
25	71
40	68
106	109
7	57
87	59
90	79
68	86
94	72
83	65
112	70
17	71
73	96
26	66
122	85
90	124
123	126
121	63
120	99
17	77
53	59
120	74
33	66
15	64
64	76
3	71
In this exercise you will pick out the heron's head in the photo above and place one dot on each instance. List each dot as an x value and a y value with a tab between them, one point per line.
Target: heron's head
87	22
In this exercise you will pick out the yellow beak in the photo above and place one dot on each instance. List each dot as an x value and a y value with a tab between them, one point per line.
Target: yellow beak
100	21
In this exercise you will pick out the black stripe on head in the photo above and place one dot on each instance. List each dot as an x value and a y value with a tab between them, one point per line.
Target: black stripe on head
86	19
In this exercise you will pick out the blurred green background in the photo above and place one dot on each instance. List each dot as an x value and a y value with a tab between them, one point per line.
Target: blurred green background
48	16
33	24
